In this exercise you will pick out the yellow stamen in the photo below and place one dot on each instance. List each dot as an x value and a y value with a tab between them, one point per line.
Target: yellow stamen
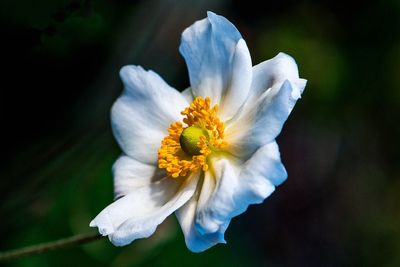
185	149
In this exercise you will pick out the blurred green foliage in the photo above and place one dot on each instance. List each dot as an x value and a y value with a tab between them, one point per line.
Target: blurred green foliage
339	206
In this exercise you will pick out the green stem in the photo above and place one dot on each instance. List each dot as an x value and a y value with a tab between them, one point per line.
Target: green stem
49	246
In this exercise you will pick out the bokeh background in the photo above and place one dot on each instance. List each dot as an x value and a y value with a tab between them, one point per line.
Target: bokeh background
341	203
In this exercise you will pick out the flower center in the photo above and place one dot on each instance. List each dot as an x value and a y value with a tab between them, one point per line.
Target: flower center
190	138
186	148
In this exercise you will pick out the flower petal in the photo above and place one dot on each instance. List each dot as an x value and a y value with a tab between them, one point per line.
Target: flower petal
142	114
238	186
138	214
275	88
130	174
188	94
218	61
194	240
274	72
265	164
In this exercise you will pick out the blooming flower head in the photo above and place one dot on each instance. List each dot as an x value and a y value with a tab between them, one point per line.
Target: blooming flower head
206	153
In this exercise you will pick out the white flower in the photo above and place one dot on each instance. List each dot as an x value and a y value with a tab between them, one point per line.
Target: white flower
182	153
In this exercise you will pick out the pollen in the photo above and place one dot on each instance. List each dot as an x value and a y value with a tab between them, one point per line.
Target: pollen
186	148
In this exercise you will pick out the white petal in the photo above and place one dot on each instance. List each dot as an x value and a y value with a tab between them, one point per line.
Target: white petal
276	87
130	174
142	114
234	192
218	61
188	94
138	214
194	240
207	190
265	164
142	201
239	87
275	71
261	124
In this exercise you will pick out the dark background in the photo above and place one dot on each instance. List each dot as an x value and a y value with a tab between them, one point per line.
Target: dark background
59	78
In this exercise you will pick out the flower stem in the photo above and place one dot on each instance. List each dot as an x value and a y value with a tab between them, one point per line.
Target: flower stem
49	246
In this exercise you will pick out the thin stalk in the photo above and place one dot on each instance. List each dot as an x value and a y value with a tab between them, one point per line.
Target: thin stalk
49	246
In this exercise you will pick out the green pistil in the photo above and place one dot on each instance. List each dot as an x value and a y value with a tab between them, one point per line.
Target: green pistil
190	138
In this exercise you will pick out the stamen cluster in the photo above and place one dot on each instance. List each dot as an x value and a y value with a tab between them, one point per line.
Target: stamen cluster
171	156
